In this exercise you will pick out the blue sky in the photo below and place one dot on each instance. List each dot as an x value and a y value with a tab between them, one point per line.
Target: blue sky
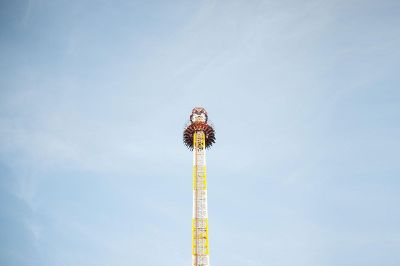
304	96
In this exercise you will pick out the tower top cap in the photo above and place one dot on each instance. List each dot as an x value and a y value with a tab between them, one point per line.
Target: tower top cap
199	110
199	114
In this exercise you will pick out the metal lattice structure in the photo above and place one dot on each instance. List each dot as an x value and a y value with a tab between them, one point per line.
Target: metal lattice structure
198	136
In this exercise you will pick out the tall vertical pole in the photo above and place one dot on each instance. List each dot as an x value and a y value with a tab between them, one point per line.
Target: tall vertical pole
197	136
200	213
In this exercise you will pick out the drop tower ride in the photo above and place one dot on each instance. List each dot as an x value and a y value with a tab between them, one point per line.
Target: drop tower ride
198	136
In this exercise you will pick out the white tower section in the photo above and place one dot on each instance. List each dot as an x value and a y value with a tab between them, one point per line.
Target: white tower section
200	255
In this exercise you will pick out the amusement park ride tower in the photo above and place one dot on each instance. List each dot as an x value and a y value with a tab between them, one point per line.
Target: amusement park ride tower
197	136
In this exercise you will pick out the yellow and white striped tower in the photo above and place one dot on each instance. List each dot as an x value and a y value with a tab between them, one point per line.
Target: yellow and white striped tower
198	136
200	213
